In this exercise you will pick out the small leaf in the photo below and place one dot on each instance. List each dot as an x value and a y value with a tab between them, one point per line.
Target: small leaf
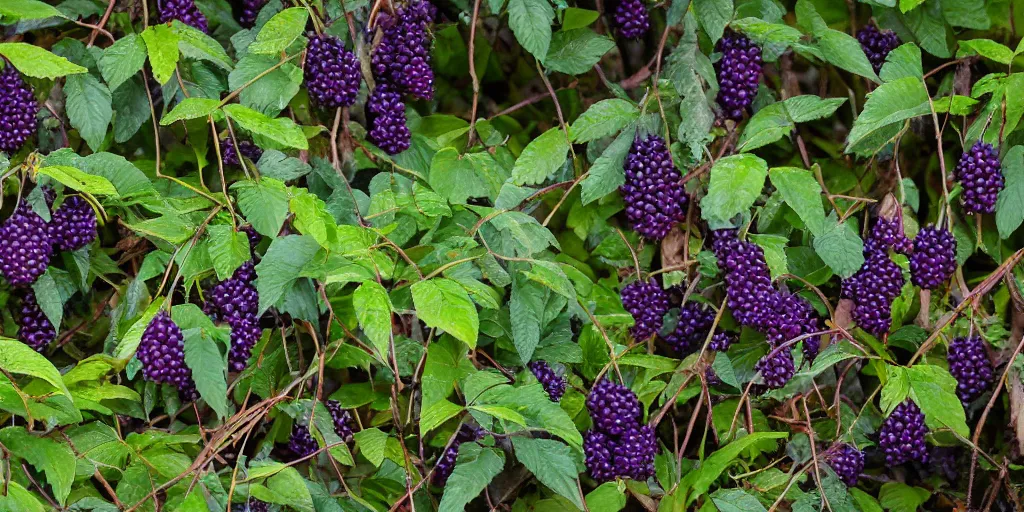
36	62
900	497
552	463
840	247
602	119
802	193
575	52
371	442
282	129
713	16
1010	205
89	107
280	267
204	357
264	203
190	108
530	21
934	390
541	158
123	60
80	180
280	31
444	304
736	181
162	47
228	249
475	467
373	309
607	173
735	500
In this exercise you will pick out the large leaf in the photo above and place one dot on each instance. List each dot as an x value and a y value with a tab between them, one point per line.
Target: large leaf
54	459
541	158
444	304
373	309
475	467
552	463
530	21
36	62
736	181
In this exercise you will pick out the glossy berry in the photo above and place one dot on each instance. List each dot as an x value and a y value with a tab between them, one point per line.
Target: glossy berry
970	366
235	302
794	317
253	236
387	121
632	19
301	443
162	353
877	44
246	148
888	234
751	297
250	10
776	368
73	225
695	320
847	461
446	462
633	454
739	73
184	11
655	200
342	420
25	246
552	382
613	407
934	258
981	175
720	342
253	505
34	328
711	377
902	435
597	450
245	333
402	59
880	280
648	303
332	73
18	109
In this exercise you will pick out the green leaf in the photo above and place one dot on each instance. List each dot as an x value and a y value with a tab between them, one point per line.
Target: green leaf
444	304
228	249
281	266
774	247
844	51
475	467
526	308
541	158
17	357
36	62
130	340
287	488
552	276
608	497
575	52
552	463
20	10
371	443
282	129
162	47
906	5
195	44
280	31
840	247
273	90
373	309
602	119
530	21
574	17
89	108
904	61
48	296
891	103
736	182
80	180
435	414
900	497
802	193
1010	204
713	16
454	178
735	500
190	108
264	204
896	388
698	481
986	48
122	60
203	355
934	390
607	174
54	459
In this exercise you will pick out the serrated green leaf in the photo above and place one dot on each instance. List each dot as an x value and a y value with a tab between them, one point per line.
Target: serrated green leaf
552	463
54	459
606	174
89	107
18	358
934	391
228	249
1010	204
802	193
371	442
373	309
891	103
840	247
281	267
162	47
541	158
79	180
190	108
36	62
713	16
444	304
122	60
602	119
530	21
280	31
736	181
264	203
575	52
697	482
282	129
20	10
475	467
986	48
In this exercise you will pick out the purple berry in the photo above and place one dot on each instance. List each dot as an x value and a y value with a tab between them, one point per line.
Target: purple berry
776	368
597	449
632	19
970	366
648	303
847	461
901	437
245	333
633	454
613	407
34	328
751	297
25	246
184	11
162	353
342	420
888	234
794	317
253	235
332	72
981	175
695	320
73	225
301	443
253	505
246	148
552	382
387	119
250	10
720	342
655	200
934	258
235	301
877	44
446	462
879	280
739	72
711	377
402	59
18	109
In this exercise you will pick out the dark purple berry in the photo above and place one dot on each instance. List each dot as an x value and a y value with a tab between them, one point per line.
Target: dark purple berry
711	377
25	246
245	333
552	382
162	353
613	407
34	328
648	303
878	282
402	59
250	10
18	109
342	420
446	462
73	225
877	44
981	175
794	317
184	11
253	235
888	234
633	455
597	449
655	199
332	72
235	301
934	258
253	505
902	436
751	297
847	461
970	366
301	443
387	119
720	342
695	320
632	19
246	148
739	72
776	368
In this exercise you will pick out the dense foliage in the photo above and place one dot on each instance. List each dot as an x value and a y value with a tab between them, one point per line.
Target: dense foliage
416	255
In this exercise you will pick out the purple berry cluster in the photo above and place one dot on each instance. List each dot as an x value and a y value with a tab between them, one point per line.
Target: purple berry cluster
162	353
252	505
235	302
695	320
73	225
720	342
618	445
981	175
387	120
25	246
250	10
301	443
901	437
970	366
934	258
332	73
776	367
739	72
751	297
446	462
402	59
34	329
877	44
648	303
847	461
18	109
342	420
794	317
233	155
184	11
552	382
632	19
888	234
879	281
655	199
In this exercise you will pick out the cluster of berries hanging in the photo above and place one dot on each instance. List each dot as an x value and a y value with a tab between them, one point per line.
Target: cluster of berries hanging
981	175
739	73
632	19
332	73
654	197
879	281
847	461
648	303
970	366
877	44
233	155
250	10
184	11
301	443
553	383
446	462
342	420
934	257
235	302
251	505
695	321
902	436
18	109
162	354
618	446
